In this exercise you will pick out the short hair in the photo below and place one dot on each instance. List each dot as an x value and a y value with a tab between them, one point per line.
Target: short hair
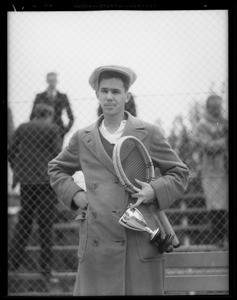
51	73
211	98
43	110
114	74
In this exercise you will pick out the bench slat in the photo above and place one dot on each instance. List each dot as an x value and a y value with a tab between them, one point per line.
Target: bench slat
197	259
197	283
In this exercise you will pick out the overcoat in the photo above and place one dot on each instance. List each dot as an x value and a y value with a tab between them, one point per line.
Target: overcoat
114	260
212	137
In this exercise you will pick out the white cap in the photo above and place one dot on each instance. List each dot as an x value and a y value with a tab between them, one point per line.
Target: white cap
130	74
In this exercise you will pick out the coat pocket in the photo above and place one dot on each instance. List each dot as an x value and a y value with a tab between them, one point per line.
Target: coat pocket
147	251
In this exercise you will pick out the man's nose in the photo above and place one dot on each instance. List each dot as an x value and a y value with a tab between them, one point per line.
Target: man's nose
109	96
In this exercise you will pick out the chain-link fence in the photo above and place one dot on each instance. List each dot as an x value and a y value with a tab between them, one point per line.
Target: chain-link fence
180	58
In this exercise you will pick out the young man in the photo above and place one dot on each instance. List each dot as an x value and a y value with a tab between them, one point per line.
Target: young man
34	144
114	260
58	101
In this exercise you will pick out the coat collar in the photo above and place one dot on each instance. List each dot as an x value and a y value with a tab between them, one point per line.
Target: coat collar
91	138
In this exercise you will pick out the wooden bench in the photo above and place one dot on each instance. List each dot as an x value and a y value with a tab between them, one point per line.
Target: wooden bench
197	272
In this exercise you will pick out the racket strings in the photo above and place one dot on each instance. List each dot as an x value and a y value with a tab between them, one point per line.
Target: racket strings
134	165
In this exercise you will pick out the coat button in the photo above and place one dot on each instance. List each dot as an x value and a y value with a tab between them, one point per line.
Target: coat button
122	242
119	212
95	242
94	185
94	214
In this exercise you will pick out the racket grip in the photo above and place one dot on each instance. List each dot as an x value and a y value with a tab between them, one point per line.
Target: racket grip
159	223
167	227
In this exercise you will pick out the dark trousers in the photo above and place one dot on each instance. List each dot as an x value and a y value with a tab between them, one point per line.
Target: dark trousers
37	201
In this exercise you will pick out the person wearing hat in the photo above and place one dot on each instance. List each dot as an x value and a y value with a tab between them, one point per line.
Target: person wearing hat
114	260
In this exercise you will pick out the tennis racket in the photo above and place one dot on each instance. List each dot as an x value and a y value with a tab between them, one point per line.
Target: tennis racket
132	160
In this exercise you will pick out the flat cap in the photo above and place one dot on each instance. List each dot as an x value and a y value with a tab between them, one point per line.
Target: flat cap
130	74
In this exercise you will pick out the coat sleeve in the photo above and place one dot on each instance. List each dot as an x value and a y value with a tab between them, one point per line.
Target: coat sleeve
36	101
61	169
55	141
14	149
174	177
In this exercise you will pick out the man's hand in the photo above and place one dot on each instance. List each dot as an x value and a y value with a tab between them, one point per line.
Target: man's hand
146	195
80	199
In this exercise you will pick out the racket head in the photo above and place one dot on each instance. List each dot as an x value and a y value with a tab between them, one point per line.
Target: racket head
132	160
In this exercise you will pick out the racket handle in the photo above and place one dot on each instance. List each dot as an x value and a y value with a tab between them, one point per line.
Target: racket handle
167	227
159	223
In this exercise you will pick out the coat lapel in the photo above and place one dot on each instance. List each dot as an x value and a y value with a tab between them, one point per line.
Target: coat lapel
93	142
136	128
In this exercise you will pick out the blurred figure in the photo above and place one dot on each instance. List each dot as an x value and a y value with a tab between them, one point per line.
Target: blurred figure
34	144
130	106
58	101
10	132
181	142
212	133
10	126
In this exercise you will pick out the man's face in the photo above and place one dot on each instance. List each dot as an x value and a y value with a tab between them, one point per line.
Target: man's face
52	80
112	96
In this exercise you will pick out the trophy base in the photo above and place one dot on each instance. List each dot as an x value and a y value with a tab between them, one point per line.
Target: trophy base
177	246
163	242
170	249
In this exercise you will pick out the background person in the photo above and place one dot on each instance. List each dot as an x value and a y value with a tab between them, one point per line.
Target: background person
10	133
212	132
58	101
114	260
34	144
10	126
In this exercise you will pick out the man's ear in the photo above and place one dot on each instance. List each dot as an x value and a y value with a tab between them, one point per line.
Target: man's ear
128	97
97	94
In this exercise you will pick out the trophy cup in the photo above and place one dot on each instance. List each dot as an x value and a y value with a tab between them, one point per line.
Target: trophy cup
133	219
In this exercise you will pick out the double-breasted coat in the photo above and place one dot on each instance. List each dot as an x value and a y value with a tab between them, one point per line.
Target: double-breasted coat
114	260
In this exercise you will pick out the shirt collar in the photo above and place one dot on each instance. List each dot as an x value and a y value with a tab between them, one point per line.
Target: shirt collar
112	137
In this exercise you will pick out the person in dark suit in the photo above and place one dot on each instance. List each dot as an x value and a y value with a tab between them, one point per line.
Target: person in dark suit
34	144
58	101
